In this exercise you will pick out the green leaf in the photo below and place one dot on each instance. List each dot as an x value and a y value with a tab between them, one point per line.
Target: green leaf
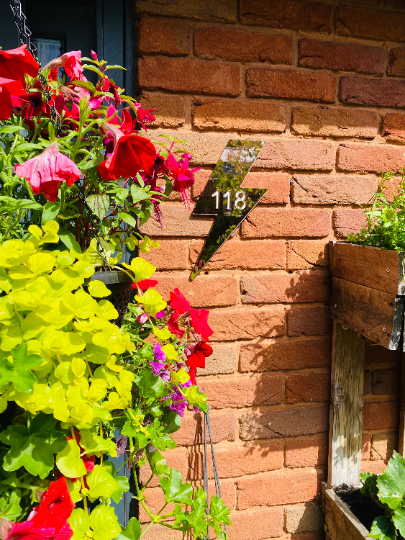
399	520
10	129
19	372
80	522
26	204
141	268
99	205
151	386
69	462
67	238
124	486
174	490
383	529
132	532
33	447
94	444
391	483
98	289
51	210
101	483
138	194
104	523
127	218
370	488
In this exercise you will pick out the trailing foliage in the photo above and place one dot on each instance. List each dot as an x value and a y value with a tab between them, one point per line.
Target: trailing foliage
385	216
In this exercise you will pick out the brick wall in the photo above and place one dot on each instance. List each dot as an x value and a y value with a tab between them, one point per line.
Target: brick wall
323	84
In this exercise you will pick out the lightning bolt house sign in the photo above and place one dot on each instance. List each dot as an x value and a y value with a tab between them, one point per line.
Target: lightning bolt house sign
224	198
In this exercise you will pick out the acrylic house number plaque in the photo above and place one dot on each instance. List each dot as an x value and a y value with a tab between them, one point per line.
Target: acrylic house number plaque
224	198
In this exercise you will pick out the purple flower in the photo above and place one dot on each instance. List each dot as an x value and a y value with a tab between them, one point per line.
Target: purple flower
179	403
160	314
157	367
158	354
165	375
121	445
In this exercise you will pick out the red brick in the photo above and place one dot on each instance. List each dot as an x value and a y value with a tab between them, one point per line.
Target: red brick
249	254
201	179
171	255
333	189
372	91
367	158
297	154
386	382
372	24
223	428
286	354
375	354
285	423
383	446
367	383
290	14
164	36
307	387
277	185
228	44
348	220
161	532
202	292
223	360
341	56
380	415
233	461
177	458
304	519
240	115
325	121
245	391
188	75
209	10
304	254
277	488
274	288
177	221
169	109
396	3
288	222
394	127
375	467
256	525
312	321
291	84
396	63
365	446
308	452
229	325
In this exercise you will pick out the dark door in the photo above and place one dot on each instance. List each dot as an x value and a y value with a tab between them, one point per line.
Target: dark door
58	26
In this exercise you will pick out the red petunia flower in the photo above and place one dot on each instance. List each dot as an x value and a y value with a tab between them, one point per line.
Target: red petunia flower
8	88
179	302
192	374
199	320
197	358
145	284
132	153
47	171
15	63
48	521
174	326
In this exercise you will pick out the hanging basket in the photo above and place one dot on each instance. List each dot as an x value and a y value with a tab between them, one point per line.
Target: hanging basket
120	285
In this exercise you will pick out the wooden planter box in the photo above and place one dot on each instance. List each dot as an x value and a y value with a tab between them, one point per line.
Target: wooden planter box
340	522
368	292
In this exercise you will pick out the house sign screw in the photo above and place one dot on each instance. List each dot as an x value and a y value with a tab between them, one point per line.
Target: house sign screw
388	270
384	329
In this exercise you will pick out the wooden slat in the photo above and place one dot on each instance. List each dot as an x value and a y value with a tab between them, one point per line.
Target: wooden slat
345	427
340	522
401	429
379	269
374	314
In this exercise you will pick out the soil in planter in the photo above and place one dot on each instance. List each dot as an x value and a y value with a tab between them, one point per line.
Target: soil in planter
364	508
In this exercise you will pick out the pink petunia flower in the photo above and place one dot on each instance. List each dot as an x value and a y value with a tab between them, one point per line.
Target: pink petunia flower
8	89
47	171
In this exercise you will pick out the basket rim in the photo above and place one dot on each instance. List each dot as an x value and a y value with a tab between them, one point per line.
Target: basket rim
109	278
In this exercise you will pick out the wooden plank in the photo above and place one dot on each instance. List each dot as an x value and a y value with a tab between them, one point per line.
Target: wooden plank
346	422
340	522
401	429
379	269
374	314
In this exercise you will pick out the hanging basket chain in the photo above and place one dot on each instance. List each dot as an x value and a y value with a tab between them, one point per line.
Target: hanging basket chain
25	39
